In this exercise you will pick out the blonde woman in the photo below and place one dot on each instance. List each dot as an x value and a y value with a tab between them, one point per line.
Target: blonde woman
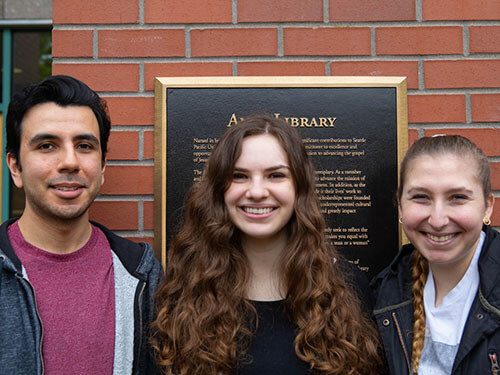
438	303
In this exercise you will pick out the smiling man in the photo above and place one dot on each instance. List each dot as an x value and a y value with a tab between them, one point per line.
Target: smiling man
74	297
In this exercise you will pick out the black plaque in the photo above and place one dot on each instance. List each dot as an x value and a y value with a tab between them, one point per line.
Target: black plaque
354	128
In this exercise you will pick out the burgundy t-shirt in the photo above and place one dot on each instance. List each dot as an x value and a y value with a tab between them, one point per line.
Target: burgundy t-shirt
76	301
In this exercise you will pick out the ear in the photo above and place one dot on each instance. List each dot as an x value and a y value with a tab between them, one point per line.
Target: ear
490	202
15	170
103	169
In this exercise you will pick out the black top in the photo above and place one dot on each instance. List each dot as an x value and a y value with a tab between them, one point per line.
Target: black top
272	350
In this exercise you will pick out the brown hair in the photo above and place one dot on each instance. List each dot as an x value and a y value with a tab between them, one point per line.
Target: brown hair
203	324
437	145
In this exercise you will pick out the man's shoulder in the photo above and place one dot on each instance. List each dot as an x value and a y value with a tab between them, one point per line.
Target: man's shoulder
137	257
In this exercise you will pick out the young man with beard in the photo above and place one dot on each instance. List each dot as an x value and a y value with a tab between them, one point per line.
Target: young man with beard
74	297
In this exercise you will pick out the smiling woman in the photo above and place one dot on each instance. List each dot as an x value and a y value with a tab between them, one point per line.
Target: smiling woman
452	265
252	286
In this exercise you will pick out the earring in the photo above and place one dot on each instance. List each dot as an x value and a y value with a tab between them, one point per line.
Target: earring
400	220
486	221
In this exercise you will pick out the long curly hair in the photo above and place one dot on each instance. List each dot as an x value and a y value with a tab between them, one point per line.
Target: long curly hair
204	321
437	145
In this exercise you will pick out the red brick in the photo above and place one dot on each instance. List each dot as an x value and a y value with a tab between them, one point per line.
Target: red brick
280	10
378	68
141	43
187	11
372	10
463	73
460	10
412	136
131	110
95	11
123	146
419	40
149	145
149	240
495	177
208	69
485	107
436	108
281	68
148	215
487	139
128	180
234	42
327	41
103	77
484	39
115	215
495	218
72	43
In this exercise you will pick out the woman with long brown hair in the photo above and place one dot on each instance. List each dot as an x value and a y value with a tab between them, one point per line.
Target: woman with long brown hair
438	303
252	286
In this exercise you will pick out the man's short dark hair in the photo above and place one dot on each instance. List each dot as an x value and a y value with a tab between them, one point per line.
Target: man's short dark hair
64	91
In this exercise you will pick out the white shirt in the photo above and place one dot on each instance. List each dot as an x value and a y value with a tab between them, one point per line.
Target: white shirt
445	323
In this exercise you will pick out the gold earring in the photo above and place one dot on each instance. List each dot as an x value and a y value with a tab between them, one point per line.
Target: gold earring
486	221
400	220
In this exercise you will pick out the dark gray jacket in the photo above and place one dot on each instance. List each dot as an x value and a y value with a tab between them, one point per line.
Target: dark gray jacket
137	274
479	347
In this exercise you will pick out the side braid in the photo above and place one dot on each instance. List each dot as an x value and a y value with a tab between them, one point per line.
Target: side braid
419	272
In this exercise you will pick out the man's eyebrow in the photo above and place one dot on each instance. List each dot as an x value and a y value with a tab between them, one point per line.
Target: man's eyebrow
42	137
87	137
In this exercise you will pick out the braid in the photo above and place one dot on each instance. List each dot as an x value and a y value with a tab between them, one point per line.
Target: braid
419	272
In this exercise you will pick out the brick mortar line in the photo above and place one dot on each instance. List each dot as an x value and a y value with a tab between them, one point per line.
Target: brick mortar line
468	108
141	12
461	125
128	94
419	11
326	11
419	91
130	163
280	42
140	215
131	128
323	58
315	24
234	11
124	198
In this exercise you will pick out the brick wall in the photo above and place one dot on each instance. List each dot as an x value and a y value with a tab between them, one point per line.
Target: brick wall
448	49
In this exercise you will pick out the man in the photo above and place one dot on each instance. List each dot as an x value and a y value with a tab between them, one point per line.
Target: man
74	297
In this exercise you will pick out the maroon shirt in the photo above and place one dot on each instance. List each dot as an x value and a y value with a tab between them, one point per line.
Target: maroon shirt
75	298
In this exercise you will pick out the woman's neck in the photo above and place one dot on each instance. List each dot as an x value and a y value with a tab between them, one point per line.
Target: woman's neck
264	256
446	277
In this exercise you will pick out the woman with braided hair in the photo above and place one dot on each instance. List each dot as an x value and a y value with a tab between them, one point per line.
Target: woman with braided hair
438	303
252	285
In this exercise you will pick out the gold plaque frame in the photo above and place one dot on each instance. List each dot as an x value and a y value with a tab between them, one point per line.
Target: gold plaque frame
161	108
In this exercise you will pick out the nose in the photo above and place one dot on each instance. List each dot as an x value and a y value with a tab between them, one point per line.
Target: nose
257	189
438	217
68	162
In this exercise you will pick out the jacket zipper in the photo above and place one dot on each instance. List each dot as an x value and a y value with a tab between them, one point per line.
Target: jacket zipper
402	342
39	320
495	368
139	303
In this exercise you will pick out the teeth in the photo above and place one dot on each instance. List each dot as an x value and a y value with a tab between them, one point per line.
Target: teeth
440	238
66	188
257	211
